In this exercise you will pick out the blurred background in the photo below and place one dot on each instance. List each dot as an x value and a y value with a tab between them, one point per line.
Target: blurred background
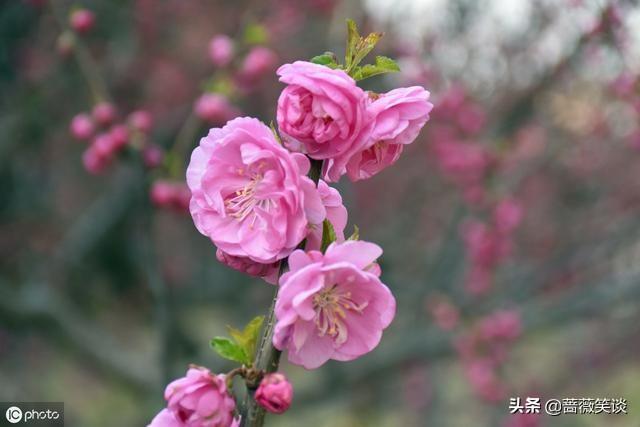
511	228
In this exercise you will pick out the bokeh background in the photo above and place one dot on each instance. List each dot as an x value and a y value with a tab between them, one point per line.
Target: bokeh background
511	228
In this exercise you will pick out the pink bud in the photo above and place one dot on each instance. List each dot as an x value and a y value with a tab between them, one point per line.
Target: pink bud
502	325
274	393
93	162
152	156
82	127
162	193
258	61
141	120
104	145
221	50
104	113
170	195
507	215
82	20
214	108
120	136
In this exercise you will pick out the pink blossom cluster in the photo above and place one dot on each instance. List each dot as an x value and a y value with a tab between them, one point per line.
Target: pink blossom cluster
107	137
325	115
484	349
251	196
489	243
454	145
245	74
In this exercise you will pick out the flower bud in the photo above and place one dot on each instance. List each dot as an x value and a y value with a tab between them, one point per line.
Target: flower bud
221	50
82	20
82	127
104	113
274	393
214	108
120	136
258	62
141	120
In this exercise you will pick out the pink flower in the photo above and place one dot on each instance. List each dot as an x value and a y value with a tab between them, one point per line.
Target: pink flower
221	50
141	120
250	195
259	61
466	163
120	136
196	400
507	215
332	305
214	108
94	162
104	113
82	127
274	393
399	115
323	113
485	246
502	325
336	214
82	20
268	272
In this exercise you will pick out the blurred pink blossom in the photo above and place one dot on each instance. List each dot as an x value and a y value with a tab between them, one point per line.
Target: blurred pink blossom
82	127
221	50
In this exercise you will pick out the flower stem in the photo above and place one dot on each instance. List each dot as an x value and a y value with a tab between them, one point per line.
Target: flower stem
267	356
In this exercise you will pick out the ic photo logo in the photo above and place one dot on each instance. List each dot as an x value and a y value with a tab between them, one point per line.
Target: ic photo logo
32	414
14	414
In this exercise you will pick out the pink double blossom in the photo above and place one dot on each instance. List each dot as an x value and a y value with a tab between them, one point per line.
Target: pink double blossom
250	196
398	117
323	113
332	305
197	400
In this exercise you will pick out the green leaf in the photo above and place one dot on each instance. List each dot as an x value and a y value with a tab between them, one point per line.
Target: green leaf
328	235
248	338
357	46
255	34
353	37
327	59
383	65
365	46
230	350
356	233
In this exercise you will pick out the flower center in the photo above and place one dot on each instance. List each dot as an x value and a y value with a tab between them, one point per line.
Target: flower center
331	305
243	202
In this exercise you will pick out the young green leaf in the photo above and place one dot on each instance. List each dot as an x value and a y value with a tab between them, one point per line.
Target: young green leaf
230	350
328	235
383	65
248	338
353	38
328	59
